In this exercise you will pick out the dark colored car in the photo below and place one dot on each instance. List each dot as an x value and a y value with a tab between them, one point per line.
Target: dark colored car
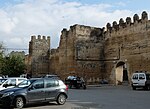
35	90
75	82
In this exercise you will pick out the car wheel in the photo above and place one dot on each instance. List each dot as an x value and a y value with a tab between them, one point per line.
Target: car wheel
146	87
70	86
133	87
61	99
78	86
19	103
84	86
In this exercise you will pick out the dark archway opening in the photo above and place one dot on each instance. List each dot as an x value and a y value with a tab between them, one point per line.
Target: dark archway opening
125	75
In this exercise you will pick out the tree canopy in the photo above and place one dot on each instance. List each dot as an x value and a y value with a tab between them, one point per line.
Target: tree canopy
12	65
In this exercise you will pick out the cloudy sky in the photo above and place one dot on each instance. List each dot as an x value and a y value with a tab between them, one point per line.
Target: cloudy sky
20	19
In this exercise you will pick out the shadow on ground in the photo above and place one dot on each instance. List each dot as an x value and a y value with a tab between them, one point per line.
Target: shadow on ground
33	105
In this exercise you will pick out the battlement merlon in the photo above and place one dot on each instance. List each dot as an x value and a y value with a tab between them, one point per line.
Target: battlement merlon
64	32
122	24
33	38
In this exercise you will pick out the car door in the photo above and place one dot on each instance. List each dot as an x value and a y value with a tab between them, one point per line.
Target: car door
36	91
51	89
142	79
135	79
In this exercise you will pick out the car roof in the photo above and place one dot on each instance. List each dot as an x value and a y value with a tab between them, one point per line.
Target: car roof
43	78
34	78
51	75
140	73
15	78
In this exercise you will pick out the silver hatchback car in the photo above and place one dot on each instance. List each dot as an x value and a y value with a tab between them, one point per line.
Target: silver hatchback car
35	90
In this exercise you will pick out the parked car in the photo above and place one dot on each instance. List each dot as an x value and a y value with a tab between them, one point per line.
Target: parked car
10	82
34	90
52	76
140	79
75	82
26	76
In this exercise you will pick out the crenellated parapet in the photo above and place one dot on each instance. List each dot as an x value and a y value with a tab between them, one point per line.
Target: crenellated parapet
128	25
39	37
39	44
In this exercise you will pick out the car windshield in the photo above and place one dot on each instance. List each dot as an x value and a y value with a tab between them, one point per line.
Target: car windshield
2	81
25	83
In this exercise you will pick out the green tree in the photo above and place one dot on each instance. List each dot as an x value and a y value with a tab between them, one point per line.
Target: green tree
1	55
13	66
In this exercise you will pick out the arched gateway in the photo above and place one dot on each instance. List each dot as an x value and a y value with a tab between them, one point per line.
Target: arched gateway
121	74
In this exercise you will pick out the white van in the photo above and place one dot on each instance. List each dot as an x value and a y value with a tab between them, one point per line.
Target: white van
140	79
10	82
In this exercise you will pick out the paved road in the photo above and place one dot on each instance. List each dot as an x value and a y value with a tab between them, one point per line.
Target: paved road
104	97
111	97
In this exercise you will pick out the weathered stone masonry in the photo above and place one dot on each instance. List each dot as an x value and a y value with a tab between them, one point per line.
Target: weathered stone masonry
113	53
128	43
39	55
79	52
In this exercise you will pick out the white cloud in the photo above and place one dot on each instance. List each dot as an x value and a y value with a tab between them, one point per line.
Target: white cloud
16	40
6	23
121	3
48	17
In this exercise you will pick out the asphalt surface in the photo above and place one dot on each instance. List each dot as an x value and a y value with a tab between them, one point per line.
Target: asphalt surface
101	97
